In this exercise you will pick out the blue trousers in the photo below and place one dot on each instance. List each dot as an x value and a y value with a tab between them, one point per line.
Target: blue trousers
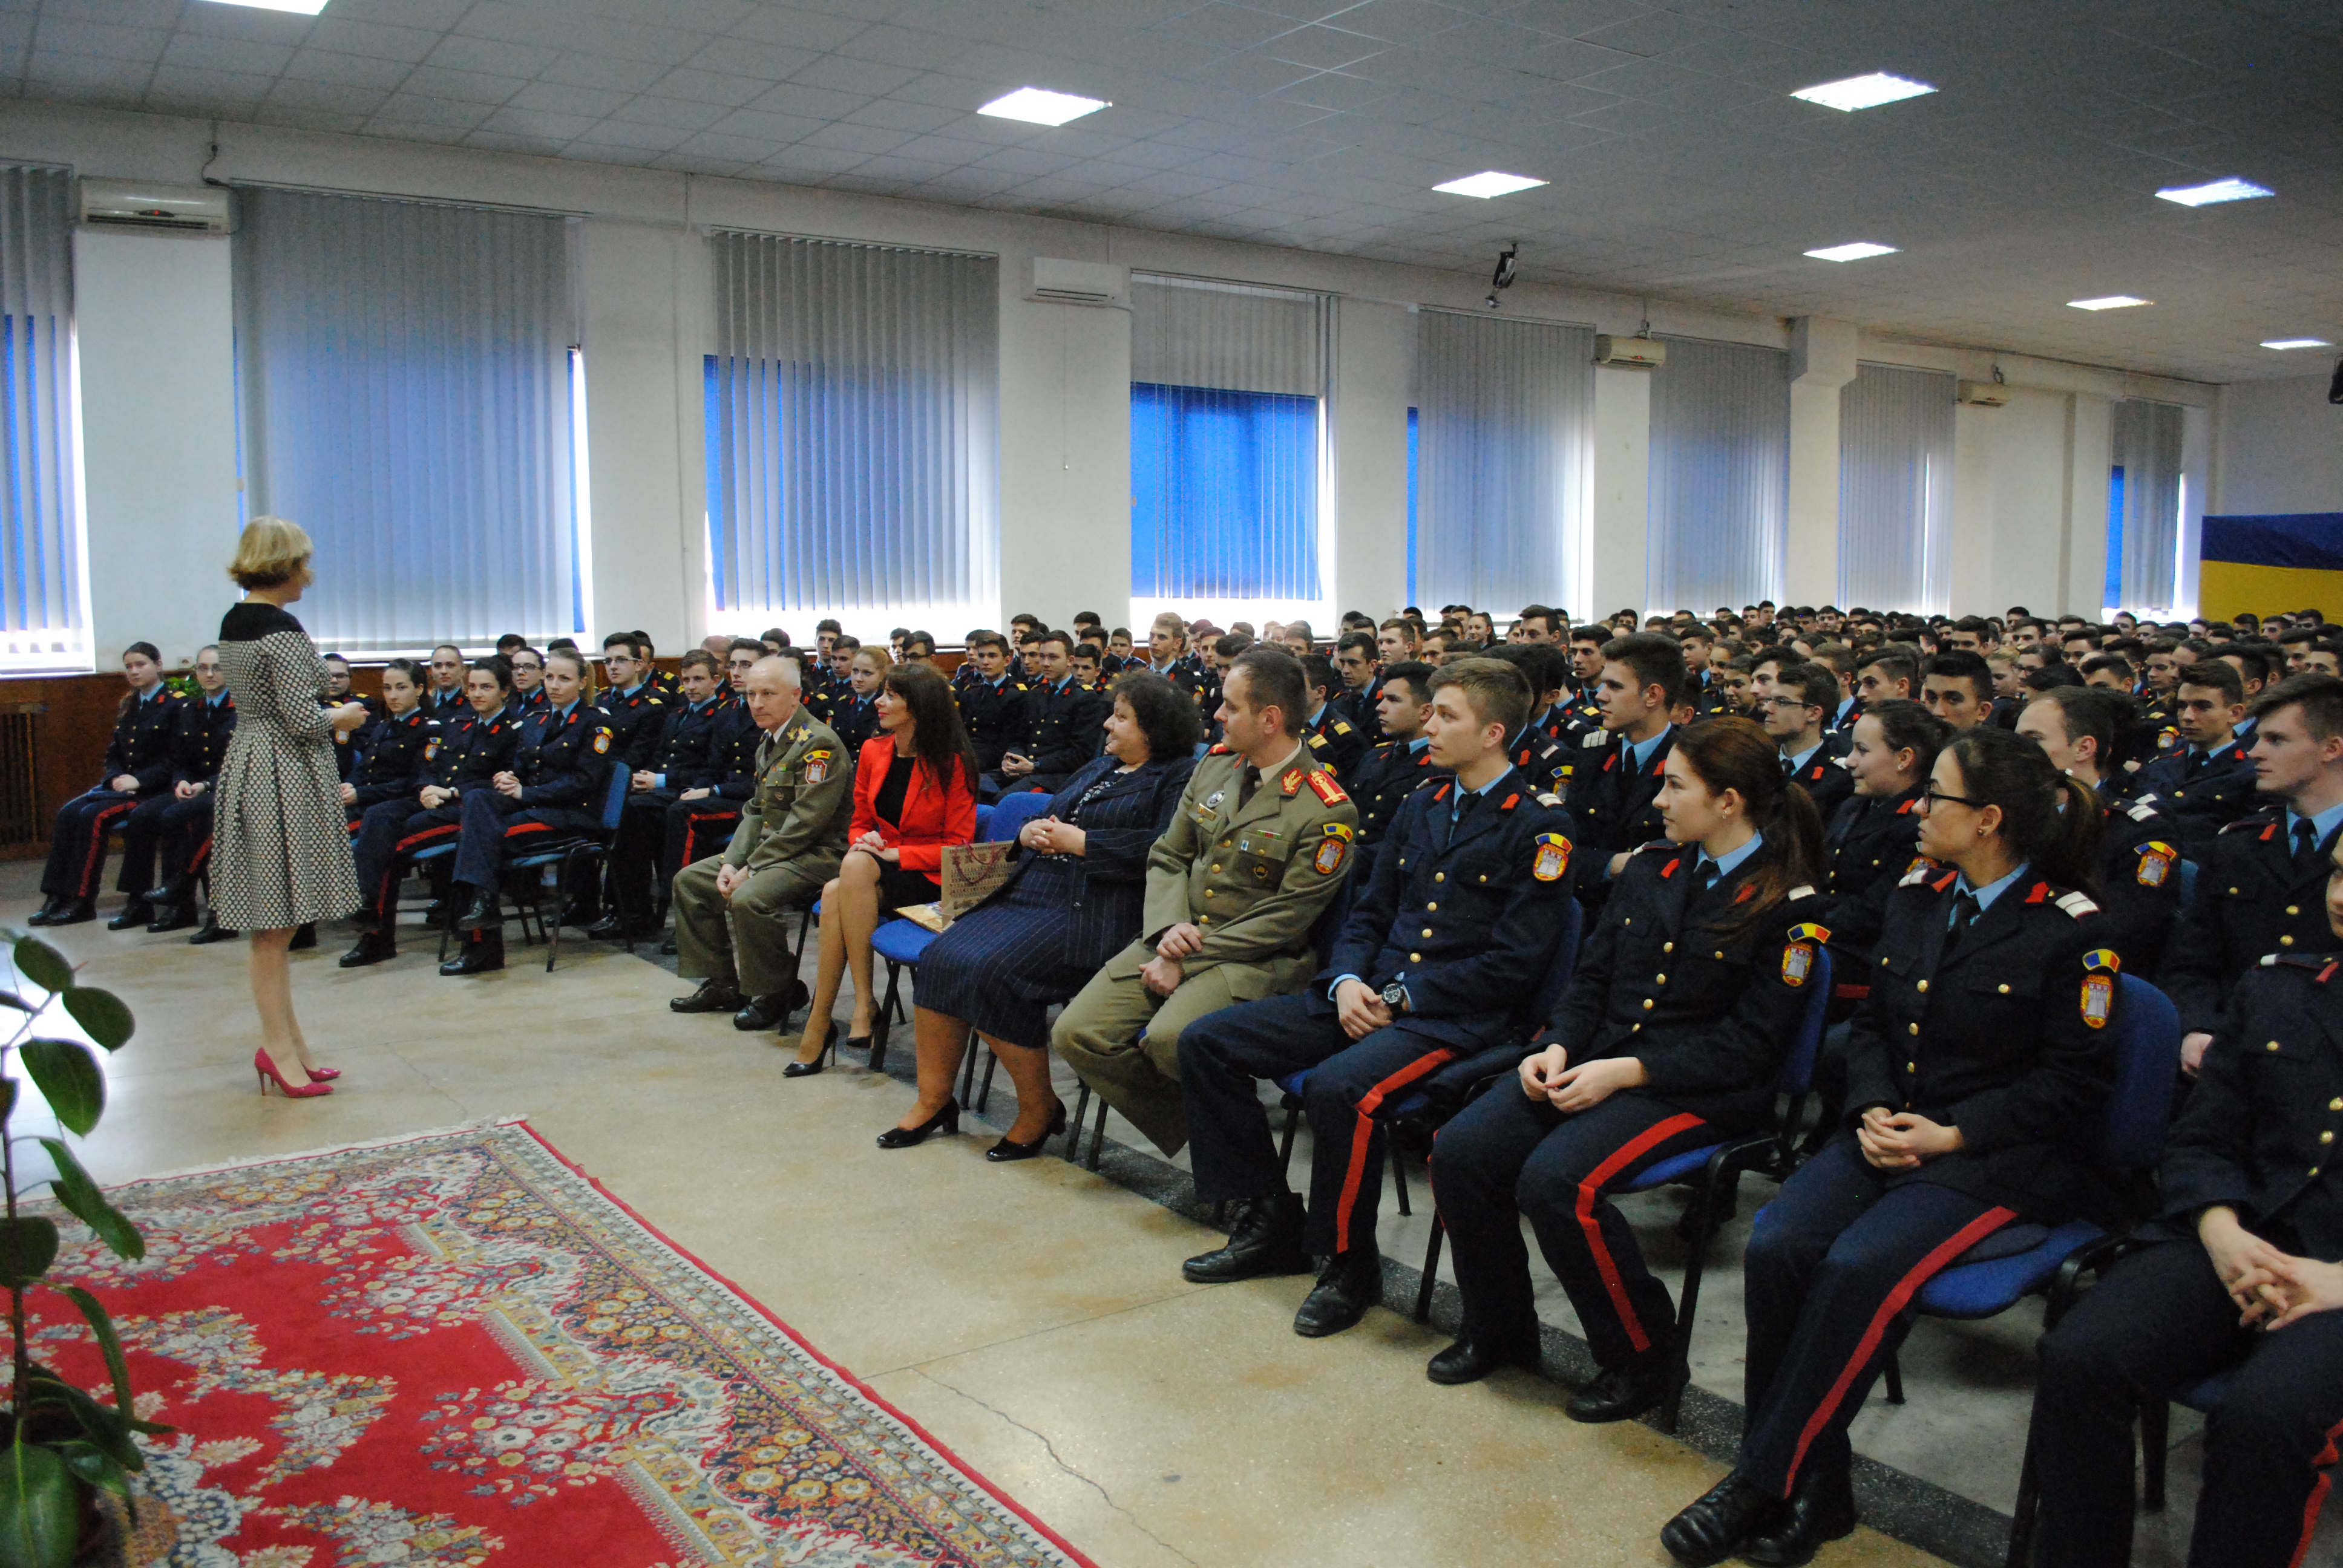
170	827
389	832
77	843
493	822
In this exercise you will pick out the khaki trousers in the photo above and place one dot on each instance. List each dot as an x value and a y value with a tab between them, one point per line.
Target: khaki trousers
754	954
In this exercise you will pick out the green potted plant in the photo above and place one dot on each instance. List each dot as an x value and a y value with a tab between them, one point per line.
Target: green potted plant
63	1446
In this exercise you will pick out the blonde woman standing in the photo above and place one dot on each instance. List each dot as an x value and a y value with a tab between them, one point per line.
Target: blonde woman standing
280	850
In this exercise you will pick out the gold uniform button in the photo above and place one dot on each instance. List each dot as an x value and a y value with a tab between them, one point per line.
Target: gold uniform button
1483	878
1638	1029
1216	868
1205	920
1427	930
2327	1138
1662	980
1647	1004
1667	946
1431	909
1439	876
2004	990
2334	1105
1208	892
2294	908
1911	1067
1914	1028
1924	988
2271	1046
1720	952
2286	941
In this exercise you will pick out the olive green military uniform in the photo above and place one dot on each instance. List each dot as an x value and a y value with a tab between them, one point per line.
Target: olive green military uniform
791	840
1253	878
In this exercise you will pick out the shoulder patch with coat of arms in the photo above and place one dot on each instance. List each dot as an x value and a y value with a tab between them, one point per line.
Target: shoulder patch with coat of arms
1549	856
602	741
817	765
1332	850
2155	859
1798	953
2098	999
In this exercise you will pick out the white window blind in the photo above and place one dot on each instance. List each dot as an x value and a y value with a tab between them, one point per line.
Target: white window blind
2145	505
852	445
1719	503
43	581
1228	387
1895	489
1505	432
410	398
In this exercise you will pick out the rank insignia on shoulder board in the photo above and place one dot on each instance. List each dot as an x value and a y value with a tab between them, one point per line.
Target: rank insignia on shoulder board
1292	783
1551	858
1328	791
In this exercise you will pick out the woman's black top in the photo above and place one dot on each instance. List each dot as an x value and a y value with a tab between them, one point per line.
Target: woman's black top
897	785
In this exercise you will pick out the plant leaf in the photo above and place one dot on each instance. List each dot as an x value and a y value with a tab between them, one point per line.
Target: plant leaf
27	1247
41	964
69	1080
101	1325
104	1424
40	1507
92	1464
10	998
79	1195
106	1015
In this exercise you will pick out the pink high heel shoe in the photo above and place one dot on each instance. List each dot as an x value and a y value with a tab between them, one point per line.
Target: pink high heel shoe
267	1070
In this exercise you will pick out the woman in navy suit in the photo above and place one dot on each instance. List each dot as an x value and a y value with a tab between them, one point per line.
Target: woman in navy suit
1076	901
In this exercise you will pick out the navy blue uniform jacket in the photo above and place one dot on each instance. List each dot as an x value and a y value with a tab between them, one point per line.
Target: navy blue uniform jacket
144	740
2252	900
390	765
564	760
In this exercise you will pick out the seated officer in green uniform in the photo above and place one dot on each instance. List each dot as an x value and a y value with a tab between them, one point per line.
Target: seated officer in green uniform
790	841
1259	847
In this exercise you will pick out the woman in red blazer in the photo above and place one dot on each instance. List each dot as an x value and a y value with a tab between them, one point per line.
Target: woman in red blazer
914	792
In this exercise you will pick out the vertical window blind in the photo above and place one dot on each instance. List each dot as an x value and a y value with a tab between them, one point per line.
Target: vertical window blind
2144	505
1505	432
1228	387
406	372
1895	489
43	581
852	428
1720	476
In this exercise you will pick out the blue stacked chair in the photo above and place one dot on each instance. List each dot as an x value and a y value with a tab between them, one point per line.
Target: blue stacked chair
553	858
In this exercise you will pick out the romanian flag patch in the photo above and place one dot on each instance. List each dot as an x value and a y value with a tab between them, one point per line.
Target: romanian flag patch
1332	850
2098	999
1550	856
2156	863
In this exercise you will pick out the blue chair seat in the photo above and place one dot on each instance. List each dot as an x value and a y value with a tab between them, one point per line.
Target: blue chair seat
902	941
1675	1168
1293	1083
1986	1286
2205	1395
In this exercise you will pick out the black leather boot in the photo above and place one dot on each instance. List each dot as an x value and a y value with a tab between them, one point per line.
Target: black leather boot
483	954
172	918
1717	1525
213	931
373	947
1265	1240
1622	1392
1353	1282
138	912
480	911
1821	1508
1473	1358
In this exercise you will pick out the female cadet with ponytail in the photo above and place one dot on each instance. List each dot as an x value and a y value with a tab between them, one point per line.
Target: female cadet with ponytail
1683	1003
1976	1071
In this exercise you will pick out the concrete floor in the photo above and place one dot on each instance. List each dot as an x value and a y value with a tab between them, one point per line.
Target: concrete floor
1033	1317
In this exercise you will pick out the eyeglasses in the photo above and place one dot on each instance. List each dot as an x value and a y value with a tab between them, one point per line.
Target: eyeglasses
1932	796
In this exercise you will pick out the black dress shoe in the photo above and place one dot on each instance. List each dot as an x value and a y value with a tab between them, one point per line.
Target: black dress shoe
435	915
713	996
480	911
1715	1527
373	948
213	931
1265	1240
1821	1508
1620	1392
1470	1359
478	958
613	928
770	1011
667	948
944	1120
47	915
76	911
1351	1284
1009	1149
172	918
138	912
305	936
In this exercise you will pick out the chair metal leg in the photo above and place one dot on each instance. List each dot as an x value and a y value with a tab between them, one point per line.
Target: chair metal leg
1074	1123
1098	1136
1285	1139
967	1054
2021	1517
1430	1270
2155	1441
984	1089
886	1018
1894	1378
1399	1177
552	932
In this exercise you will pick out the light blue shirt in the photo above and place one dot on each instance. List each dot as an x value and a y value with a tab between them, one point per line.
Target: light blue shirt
1730	861
2321	825
1985	895
1798	763
1640	751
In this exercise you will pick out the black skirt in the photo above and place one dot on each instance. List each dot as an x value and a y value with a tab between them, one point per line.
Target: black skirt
899	887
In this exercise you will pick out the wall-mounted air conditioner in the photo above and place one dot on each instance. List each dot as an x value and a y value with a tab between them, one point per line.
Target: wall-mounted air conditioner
133	204
1981	394
1056	281
1630	353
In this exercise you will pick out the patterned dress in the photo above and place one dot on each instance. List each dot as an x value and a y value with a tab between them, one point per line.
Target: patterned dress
280	847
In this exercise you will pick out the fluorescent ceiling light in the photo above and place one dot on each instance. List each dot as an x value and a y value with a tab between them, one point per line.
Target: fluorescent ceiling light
1489	183
2108	302
2296	342
2212	191
1863	92
298	8
1860	249
1040	107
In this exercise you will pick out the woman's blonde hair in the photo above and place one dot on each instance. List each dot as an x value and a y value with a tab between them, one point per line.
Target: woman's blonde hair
272	551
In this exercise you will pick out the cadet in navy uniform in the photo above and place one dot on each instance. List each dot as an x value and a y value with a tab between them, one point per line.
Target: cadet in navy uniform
1064	723
2257	892
690	754
991	702
854	717
1614	782
137	768
1543	761
2210	782
633	705
1873	837
2083	729
448	694
556	782
1401	765
1804	698
1438	959
179	826
2240	1276
1345	743
391	751
1683	1005
1978	1070
461	754
705	817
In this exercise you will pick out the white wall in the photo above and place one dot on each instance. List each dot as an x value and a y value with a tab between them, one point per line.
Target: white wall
2281	449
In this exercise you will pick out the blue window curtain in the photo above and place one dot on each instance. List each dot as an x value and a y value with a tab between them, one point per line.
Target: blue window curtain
2144	505
408	398
852	428
1719	499
1228	386
43	582
1505	432
1410	504
1895	489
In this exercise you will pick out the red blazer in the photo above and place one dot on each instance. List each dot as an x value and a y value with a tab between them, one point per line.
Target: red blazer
932	818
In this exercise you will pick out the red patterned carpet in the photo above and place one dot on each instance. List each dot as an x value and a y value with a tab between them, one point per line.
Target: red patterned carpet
456	1349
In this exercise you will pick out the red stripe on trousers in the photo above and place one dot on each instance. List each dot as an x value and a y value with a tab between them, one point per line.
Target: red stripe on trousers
1591	1190
2317	1497
1927	1269
1363	1129
203	852
691	830
390	872
98	831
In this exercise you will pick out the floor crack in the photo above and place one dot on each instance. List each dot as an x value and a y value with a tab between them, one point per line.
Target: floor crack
1052	1450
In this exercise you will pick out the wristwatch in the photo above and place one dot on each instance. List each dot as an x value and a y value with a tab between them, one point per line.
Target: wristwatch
1395	997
